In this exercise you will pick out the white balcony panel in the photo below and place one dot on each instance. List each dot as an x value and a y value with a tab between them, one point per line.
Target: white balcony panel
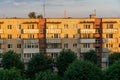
112	40
87	40
26	60
53	50
83	50
105	50
104	59
54	40
53	30
30	31
87	31
1	40
1	50
105	40
1	31
31	50
110	30
31	41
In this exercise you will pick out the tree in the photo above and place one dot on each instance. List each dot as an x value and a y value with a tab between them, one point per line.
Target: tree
113	72
38	63
114	57
11	59
65	58
47	75
83	70
91	56
32	15
10	74
39	16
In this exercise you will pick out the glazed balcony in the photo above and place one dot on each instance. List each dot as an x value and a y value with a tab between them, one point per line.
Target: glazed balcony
30	31
86	40
53	31
105	40
54	40
105	50
1	40
110	30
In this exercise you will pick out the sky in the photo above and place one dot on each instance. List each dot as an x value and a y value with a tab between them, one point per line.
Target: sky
57	8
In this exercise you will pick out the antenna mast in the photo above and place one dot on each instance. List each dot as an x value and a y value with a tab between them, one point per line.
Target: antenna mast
44	9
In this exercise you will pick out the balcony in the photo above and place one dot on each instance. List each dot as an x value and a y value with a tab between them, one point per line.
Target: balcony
54	40
87	30
110	30
86	40
105	40
1	31
30	31
31	41
83	50
105	50
53	31
112	40
31	50
1	40
97	35
104	59
1	50
54	50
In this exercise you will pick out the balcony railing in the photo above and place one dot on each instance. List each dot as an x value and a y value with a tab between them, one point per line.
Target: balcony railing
86	40
57	50
1	40
31	50
1	50
110	30
1	31
87	30
30	31
54	40
53	30
83	50
105	50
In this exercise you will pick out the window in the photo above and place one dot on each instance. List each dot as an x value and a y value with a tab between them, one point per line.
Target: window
74	26
31	36
66	45
55	35
75	36
9	45
109	26
31	45
86	45
66	36
65	26
75	45
109	35
78	31
18	26
86	26
9	26
18	36
18	45
9	36
109	45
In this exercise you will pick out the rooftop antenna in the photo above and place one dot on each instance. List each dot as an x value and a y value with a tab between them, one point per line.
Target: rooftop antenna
95	11
44	9
64	13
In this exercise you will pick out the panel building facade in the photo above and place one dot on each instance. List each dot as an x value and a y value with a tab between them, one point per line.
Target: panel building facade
51	35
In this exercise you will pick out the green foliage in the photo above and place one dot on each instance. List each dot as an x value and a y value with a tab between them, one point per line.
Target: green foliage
32	15
114	57
83	70
39	16
38	63
91	56
11	74
113	72
65	58
47	75
11	59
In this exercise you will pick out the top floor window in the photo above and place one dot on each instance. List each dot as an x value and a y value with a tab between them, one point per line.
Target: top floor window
109	26
65	26
86	26
9	26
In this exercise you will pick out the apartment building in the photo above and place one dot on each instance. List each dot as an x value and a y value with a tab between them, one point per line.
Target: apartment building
51	35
